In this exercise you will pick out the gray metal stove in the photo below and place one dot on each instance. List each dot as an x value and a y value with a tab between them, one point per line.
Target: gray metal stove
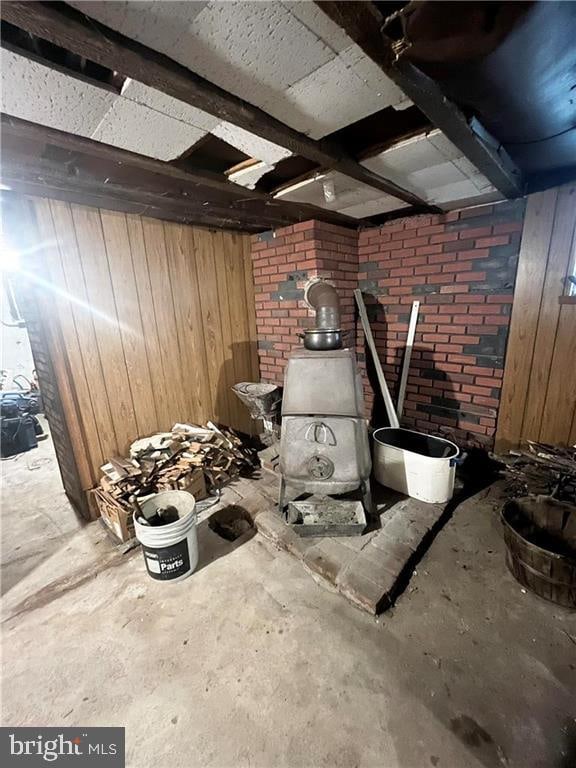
324	449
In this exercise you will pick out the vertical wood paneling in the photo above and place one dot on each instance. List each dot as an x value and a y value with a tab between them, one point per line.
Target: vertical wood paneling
560	395
89	377
149	327
119	254
556	271
209	301
150	323
90	239
64	353
163	308
251	310
539	389
186	287
524	323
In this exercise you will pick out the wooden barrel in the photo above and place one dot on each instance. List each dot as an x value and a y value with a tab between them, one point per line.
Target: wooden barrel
548	574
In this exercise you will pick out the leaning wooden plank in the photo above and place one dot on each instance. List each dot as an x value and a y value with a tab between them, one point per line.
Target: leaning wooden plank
407	357
379	372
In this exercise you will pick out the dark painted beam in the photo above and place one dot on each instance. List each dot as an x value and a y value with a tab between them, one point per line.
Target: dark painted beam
72	30
212	190
362	21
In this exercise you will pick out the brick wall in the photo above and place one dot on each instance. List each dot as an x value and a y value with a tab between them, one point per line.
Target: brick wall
284	260
461	266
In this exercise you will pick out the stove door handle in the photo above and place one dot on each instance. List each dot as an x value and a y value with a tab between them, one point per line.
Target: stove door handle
316	425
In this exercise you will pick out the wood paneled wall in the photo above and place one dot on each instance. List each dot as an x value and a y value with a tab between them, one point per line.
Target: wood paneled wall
539	390
156	322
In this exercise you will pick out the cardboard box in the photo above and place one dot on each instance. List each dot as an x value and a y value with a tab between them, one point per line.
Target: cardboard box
118	519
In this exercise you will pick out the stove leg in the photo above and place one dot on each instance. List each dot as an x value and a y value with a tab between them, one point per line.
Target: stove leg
281	493
367	499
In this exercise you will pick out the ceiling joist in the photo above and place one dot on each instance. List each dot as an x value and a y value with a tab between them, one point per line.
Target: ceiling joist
193	191
72	30
362	22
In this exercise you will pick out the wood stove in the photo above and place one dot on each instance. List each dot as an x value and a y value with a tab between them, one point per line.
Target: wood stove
324	449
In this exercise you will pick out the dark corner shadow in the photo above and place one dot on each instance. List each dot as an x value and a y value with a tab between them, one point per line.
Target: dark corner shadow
238	365
441	407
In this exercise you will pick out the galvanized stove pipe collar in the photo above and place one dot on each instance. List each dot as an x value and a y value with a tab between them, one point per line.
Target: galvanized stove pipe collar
323	299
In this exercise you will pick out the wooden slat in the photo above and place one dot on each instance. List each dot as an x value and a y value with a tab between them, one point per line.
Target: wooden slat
226	298
241	345
58	320
560	403
91	245
251	310
89	377
523	326
123	279
163	308
186	286
556	270
216	361
149	328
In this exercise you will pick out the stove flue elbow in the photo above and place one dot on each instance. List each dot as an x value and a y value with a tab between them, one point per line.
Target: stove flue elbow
323	299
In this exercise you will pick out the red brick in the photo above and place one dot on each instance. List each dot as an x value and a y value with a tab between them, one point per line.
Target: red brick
428	250
474	298
445	237
456	267
488	382
465	339
431	229
401	272
473	390
481	309
441	258
415	242
477	369
474	253
303	226
501	298
466	234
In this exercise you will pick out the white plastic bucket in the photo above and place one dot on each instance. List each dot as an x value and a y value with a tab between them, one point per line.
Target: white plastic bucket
170	551
419	465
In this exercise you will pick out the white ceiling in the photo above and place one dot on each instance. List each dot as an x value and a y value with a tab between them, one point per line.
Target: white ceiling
349	196
140	119
428	165
434	169
288	58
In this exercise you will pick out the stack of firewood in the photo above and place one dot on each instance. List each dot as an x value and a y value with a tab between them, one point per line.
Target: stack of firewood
542	469
189	458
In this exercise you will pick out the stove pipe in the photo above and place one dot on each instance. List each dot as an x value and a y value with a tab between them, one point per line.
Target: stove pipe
322	298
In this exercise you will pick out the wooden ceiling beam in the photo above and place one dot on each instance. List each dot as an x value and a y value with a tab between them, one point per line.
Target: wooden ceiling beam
362	22
210	188
72	30
51	183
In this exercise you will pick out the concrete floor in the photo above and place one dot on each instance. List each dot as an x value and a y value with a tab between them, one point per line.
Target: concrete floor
251	663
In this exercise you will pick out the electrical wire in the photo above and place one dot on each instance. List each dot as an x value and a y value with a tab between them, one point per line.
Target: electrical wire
539	141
